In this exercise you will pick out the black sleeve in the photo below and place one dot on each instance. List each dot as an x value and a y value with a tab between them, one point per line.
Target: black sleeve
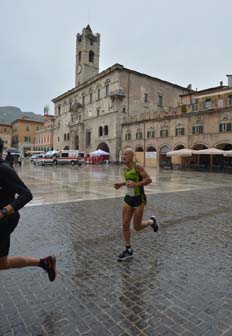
15	185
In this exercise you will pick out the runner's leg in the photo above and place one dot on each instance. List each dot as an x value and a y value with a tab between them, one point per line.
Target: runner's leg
127	213
138	216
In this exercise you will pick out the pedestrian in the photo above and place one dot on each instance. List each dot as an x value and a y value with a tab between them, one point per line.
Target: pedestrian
136	178
10	185
9	159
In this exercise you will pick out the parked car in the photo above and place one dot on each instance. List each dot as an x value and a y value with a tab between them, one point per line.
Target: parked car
37	158
165	164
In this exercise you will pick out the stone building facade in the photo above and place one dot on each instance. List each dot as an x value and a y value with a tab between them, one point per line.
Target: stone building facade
203	119
95	113
45	135
23	134
6	134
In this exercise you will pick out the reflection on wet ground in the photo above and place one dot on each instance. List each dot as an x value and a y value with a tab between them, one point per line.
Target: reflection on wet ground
177	283
62	184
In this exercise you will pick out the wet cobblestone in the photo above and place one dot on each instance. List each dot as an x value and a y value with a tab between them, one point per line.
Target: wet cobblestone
178	283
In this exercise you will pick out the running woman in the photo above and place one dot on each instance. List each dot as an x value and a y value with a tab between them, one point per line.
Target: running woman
136	178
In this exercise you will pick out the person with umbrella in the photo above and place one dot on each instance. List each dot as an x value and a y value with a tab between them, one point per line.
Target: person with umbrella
10	185
136	178
9	159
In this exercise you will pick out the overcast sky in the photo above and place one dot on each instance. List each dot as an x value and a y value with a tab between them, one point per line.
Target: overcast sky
179	41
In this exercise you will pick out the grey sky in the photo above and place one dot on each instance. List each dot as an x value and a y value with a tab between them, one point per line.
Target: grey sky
176	40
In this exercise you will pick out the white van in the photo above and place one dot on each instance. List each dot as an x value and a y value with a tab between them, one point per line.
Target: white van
73	157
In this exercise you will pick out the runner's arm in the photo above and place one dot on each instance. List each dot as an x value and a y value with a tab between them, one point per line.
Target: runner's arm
145	176
14	184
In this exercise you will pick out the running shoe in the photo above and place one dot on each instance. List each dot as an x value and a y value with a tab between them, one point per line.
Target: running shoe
128	253
155	224
50	267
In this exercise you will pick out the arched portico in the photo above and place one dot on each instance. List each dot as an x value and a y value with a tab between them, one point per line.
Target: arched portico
151	157
164	160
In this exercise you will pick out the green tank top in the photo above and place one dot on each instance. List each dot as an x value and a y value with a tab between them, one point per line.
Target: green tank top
132	175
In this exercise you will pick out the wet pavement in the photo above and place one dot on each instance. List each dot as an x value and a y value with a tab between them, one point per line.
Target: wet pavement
60	184
178	282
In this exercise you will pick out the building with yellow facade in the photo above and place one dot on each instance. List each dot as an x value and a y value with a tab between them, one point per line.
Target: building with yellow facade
6	134
23	134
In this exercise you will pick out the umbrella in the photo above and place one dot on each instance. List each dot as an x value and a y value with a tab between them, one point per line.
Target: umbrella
99	152
209	151
227	153
12	150
180	152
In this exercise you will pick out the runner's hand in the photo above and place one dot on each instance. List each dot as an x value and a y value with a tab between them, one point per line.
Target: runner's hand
117	185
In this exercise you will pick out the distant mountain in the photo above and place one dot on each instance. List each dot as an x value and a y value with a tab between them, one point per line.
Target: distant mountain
11	113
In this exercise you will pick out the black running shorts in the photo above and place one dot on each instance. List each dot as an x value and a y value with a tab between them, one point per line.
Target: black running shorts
7	226
133	201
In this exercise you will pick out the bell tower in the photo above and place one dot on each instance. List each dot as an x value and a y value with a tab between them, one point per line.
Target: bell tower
87	55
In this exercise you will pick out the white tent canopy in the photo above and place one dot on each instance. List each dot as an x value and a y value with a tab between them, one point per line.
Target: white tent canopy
227	153
181	152
209	151
99	152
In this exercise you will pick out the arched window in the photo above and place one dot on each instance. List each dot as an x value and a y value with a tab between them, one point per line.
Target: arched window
106	130
91	56
68	136
79	57
64	136
139	134
128	135
150	133
100	131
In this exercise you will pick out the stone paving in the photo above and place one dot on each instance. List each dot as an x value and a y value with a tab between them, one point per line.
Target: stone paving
178	283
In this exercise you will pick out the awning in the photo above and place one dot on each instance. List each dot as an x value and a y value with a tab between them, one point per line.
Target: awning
209	151
227	153
181	152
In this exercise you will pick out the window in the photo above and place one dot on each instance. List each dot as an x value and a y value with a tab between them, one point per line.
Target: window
106	130
139	134
90	97
128	135
164	133
88	138
91	56
37	128
160	100
145	97
225	127
58	139
79	57
150	133
64	136
4	130
98	112
197	129
100	131
70	106
98	94
59	110
68	136
179	131
107	90
27	139
230	100
83	100
27	128
124	110
207	104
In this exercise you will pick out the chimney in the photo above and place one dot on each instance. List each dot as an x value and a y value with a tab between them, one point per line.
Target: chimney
229	80
221	83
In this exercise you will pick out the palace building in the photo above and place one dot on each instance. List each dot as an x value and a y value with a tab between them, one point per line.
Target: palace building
120	107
